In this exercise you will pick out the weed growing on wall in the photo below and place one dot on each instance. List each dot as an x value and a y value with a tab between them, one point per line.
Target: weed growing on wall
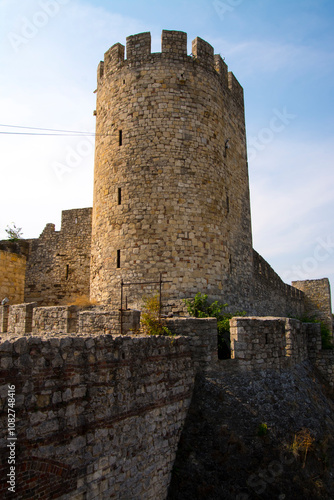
14	233
81	301
326	337
199	307
262	429
150	321
302	443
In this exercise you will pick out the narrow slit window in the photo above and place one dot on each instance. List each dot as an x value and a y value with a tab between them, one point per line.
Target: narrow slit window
67	271
120	137
227	204
118	259
119	196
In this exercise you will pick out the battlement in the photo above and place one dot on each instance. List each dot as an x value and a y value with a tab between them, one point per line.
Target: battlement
138	46
29	320
173	46
174	43
202	50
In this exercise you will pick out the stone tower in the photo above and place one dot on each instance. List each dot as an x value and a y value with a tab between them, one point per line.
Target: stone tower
171	191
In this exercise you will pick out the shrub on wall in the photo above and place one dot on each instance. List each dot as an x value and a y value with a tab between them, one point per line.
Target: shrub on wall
150	320
326	337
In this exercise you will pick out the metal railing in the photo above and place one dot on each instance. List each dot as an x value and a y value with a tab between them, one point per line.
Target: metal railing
134	283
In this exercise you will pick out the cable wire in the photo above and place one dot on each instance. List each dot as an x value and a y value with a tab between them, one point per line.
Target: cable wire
46	131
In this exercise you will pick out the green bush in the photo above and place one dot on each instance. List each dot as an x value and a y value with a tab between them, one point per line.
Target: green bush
262	429
326	337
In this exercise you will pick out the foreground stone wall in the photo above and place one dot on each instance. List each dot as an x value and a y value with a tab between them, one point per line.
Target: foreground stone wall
279	343
58	266
96	417
27	319
12	272
202	338
268	342
325	364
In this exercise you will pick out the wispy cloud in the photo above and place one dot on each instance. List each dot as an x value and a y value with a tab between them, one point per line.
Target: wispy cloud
253	57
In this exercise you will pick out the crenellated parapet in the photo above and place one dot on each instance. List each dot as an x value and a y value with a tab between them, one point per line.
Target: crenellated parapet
174	43
138	47
173	47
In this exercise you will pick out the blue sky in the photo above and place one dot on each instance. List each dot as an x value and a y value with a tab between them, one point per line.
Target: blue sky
282	53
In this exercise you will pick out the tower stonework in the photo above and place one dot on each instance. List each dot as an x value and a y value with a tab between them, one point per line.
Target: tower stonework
171	191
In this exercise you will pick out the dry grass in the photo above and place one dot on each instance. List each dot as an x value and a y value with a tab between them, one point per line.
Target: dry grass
82	301
302	443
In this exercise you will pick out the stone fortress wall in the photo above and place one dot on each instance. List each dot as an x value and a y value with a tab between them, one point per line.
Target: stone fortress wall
170	198
271	296
317	299
13	259
171	194
59	261
57	271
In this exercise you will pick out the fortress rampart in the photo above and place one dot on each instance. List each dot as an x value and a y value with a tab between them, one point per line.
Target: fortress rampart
271	295
171	196
101	414
13	258
97	416
317	299
59	261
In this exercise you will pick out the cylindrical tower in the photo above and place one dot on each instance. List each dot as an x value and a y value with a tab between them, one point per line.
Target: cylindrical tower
171	190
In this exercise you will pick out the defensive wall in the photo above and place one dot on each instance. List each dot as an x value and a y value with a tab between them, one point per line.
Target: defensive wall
100	415
13	258
57	271
271	296
317	299
59	261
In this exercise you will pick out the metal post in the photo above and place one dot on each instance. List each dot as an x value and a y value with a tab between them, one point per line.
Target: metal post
121	311
160	284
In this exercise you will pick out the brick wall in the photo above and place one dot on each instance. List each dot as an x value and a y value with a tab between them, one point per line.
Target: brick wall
96	417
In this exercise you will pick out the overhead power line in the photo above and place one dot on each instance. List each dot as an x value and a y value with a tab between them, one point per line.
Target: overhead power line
47	131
